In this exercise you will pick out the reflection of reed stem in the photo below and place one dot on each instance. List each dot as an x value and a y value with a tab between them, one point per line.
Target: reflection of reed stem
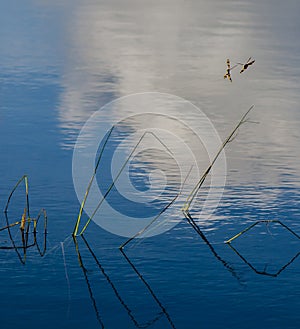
84	270
42	212
267	221
13	242
149	289
159	214
196	188
24	224
204	238
264	272
128	310
25	237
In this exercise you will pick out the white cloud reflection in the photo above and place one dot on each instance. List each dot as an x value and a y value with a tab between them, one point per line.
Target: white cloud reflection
180	47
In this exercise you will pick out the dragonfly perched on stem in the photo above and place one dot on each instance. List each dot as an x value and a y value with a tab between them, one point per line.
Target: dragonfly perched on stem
228	71
246	65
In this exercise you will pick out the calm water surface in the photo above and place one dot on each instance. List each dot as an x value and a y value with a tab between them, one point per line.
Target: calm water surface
59	63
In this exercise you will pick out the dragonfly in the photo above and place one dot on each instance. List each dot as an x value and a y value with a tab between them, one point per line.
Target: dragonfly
246	65
228	71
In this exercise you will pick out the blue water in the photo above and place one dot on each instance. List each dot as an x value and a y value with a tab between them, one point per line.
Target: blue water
59	64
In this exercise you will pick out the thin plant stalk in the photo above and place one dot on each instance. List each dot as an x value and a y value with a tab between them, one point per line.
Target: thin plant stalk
26	214
262	221
24	224
14	246
25	179
157	216
90	184
196	188
113	183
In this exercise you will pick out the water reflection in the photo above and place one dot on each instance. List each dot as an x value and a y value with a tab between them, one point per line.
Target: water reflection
96	51
130	313
196	227
115	50
264	271
282	233
24	240
145	162
23	234
168	51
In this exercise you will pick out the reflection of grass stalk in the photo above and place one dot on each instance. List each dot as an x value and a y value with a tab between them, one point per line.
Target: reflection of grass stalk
85	273
147	285
114	288
25	218
35	222
157	216
210	246
25	236
263	272
24	224
195	190
75	233
14	246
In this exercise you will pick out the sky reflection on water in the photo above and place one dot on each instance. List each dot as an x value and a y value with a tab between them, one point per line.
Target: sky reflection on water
62	61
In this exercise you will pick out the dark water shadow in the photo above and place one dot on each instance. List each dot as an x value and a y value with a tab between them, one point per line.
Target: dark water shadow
27	237
164	311
26	227
248	263
194	225
115	290
264	272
